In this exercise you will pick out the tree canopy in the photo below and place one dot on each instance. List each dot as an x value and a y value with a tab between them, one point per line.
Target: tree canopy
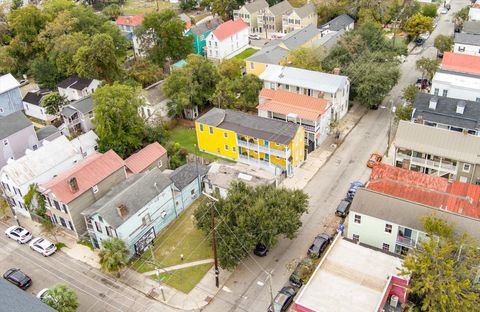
442	269
113	255
427	66
53	102
62	298
305	57
145	72
248	216
418	24
443	43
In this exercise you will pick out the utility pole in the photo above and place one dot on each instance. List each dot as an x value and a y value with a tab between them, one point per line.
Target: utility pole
157	271
214	238
271	290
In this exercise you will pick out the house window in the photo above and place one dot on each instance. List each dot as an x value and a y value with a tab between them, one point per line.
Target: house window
70	225
159	164
356	237
466	167
64	208
435	92
95	189
109	231
210	129
461	49
252	65
445	92
146	219
49	202
63	222
358	219
225	135
57	205
201	127
234	149
226	147
386	247
5	142
388	228
98	226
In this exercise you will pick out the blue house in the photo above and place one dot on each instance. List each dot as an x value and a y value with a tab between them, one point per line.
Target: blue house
137	209
10	97
199	34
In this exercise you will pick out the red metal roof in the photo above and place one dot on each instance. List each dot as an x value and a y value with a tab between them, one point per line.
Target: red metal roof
459	62
130	20
285	102
229	28
458	197
88	173
145	157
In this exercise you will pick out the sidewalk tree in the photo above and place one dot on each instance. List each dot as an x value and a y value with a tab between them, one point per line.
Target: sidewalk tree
62	298
118	125
248	216
53	102
113	255
418	24
461	16
427	66
443	43
161	34
442	269
429	9
409	93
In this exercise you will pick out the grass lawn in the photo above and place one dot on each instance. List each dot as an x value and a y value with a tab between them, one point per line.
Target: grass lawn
246	53
187	138
185	279
180	237
135	7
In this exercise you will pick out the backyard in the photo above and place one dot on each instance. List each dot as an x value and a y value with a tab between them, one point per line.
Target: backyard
179	238
137	7
187	139
246	53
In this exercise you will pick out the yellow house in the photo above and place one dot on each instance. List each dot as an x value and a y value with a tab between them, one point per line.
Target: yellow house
272	144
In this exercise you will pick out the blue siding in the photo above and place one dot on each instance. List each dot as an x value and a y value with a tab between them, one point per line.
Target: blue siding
10	102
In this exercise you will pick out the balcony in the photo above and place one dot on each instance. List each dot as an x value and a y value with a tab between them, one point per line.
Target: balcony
256	161
405	241
264	149
432	164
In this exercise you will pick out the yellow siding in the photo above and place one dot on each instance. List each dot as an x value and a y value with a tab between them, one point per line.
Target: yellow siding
297	146
256	68
215	143
278	161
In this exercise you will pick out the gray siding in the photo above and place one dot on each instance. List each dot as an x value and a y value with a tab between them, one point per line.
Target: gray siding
10	102
17	144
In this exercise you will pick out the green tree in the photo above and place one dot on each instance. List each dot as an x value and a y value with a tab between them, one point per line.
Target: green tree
418	24
161	36
64	49
224	8
63	24
16	4
442	269
443	43
44	72
410	93
121	43
188	4
145	72
404	112
429	9
118	125
62	298
305	57
113	255
248	216
53	102
98	60
112	11
35	201
427	66
177	155
52	8
461	16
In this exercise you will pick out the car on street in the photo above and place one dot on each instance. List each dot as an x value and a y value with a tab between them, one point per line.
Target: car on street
43	246
419	42
42	294
423	83
319	244
343	208
374	159
254	36
445	9
260	250
354	186
19	234
18	278
283	299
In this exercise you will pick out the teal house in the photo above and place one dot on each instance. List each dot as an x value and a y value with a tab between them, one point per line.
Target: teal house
200	32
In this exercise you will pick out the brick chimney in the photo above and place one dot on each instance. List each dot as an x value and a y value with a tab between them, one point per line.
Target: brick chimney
122	211
72	184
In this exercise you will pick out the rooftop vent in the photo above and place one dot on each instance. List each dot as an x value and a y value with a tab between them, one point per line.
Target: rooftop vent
461	107
72	184
433	103
122	211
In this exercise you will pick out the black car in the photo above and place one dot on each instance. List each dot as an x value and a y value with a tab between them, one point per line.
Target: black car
18	278
260	250
283	299
319	244
343	208
354	186
301	272
419	41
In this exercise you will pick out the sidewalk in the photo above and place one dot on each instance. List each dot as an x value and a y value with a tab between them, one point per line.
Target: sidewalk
180	266
316	159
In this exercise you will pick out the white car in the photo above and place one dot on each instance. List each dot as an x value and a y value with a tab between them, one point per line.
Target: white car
254	36
42	294
19	234
43	246
443	10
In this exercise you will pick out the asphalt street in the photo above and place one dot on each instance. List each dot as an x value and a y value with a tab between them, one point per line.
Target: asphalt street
247	289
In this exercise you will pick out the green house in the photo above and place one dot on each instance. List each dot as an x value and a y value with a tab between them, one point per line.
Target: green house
200	32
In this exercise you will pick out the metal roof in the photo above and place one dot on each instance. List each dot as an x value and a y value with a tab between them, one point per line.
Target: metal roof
472	39
47	131
339	22
15	299
13	123
184	175
471	27
269	55
439	142
84	105
7	83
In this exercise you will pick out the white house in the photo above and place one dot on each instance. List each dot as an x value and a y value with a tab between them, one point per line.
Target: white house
74	88
467	44
474	13
456	85
249	13
33	105
156	101
40	166
229	39
333	88
77	117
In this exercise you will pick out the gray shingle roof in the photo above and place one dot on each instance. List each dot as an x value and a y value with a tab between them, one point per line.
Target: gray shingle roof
251	125
339	22
84	105
202	28
15	299
281	7
269	55
305	10
46	131
75	82
135	192
446	111
13	123
184	175
462	38
407	213
68	111
471	27
256	5
297	38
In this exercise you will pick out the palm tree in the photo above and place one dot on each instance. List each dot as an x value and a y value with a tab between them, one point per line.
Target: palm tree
113	255
61	298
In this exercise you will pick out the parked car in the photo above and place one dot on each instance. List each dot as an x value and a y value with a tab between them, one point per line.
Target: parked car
301	273
283	299
374	159
43	246
19	234
353	189
319	244
424	35
343	208
423	83
18	278
42	294
443	10
419	42
23	82
254	36
260	250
